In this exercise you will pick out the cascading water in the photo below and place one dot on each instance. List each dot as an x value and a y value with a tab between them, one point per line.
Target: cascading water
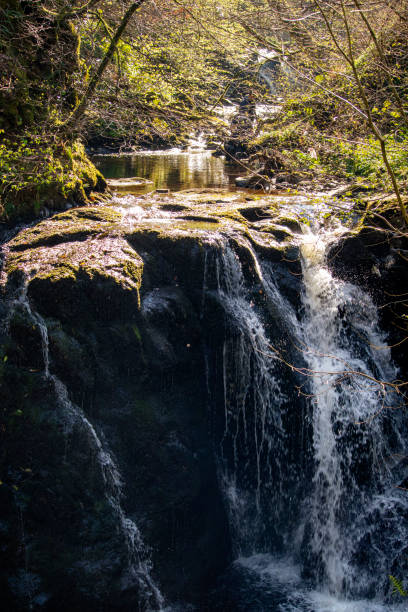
356	434
138	561
71	417
350	522
248	379
309	436
257	479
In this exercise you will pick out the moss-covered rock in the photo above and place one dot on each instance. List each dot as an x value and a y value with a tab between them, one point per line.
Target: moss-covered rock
37	176
43	165
129	310
71	226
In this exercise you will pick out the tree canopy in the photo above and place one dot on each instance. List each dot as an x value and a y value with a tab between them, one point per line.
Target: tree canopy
144	73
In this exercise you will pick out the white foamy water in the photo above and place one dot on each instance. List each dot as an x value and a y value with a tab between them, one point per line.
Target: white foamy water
197	143
351	532
346	354
280	585
251	391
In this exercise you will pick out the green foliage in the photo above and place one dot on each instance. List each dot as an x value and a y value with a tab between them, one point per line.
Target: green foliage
35	172
167	73
290	135
40	163
397	587
363	159
317	107
38	57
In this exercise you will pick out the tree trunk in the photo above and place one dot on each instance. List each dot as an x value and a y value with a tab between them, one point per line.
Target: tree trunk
80	109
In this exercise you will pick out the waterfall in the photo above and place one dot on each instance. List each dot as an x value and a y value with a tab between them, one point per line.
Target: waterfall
196	143
357	432
269	69
138	568
254	468
349	532
138	562
309	435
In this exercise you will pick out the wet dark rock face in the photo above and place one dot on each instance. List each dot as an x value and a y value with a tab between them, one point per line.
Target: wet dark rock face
132	319
375	259
129	317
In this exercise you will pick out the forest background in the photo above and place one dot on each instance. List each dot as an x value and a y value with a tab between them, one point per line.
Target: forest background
120	74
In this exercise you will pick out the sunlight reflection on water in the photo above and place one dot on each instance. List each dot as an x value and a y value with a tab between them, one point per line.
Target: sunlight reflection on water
172	169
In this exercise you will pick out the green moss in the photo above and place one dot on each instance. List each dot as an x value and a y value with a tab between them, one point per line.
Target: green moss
90	216
264	243
134	271
71	226
92	213
64	271
35	173
289	135
76	44
291	222
137	333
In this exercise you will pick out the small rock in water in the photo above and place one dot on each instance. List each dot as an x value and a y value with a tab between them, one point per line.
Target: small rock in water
129	185
242	181
162	190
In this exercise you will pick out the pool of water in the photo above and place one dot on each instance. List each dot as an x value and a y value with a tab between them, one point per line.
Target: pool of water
172	169
262	583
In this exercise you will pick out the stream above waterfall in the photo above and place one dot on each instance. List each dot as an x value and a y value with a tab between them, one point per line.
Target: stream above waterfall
191	167
175	169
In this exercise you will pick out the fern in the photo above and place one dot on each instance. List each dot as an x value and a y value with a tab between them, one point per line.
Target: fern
398	588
